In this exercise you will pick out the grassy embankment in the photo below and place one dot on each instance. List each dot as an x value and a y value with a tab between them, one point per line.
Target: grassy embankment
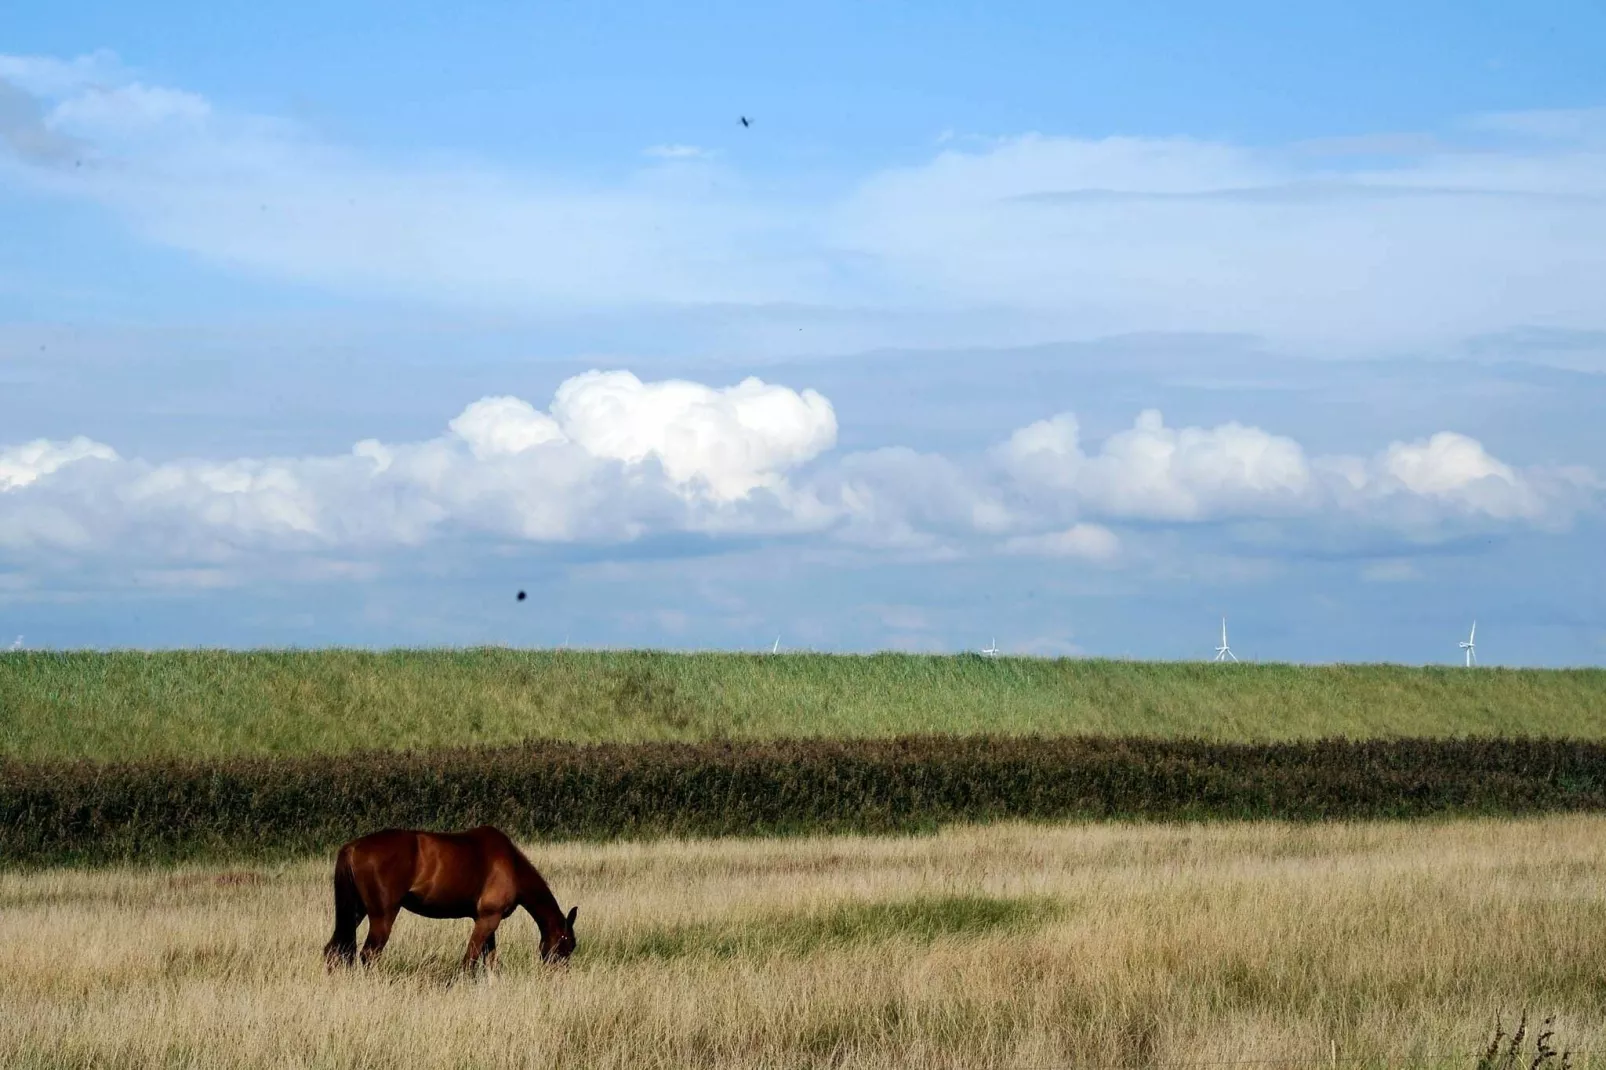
1010	946
122	706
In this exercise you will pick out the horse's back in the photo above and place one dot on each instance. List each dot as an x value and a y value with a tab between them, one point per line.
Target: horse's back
385	842
491	839
459	870
440	860
399	839
436	874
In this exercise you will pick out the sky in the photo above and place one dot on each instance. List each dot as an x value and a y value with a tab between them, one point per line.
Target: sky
1073	328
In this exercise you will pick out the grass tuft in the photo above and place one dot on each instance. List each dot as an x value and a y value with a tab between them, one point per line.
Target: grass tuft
836	925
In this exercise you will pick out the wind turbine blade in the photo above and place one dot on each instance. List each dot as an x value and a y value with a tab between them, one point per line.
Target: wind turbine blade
1473	638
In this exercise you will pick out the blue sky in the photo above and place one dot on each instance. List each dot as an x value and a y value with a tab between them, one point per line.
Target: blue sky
1073	327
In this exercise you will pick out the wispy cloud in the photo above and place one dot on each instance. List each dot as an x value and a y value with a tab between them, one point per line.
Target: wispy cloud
1566	125
1092	542
24	132
1395	241
678	152
1391	571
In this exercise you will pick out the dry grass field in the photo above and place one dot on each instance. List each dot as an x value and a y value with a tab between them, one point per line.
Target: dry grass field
1008	946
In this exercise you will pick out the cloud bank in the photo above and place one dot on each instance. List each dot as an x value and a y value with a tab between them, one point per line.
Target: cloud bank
1152	472
613	459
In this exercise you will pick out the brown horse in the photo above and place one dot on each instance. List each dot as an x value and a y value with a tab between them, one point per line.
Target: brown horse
477	874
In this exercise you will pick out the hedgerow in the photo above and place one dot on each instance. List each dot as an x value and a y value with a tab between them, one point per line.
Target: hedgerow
56	812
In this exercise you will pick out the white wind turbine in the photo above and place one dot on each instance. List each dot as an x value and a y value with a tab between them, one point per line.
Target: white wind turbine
17	643
776	649
990	651
1470	645
1223	652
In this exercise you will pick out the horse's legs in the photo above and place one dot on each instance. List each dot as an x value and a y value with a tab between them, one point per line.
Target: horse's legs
378	932
488	952
484	930
341	949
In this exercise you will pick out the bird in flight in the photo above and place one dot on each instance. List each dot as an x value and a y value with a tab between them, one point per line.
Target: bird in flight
746	121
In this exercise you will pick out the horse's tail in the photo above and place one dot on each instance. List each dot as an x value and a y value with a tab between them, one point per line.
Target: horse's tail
349	911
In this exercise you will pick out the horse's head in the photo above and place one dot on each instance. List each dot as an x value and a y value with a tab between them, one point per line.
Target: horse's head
557	943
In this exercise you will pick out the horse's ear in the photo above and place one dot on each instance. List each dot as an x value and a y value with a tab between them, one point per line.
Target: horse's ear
572	912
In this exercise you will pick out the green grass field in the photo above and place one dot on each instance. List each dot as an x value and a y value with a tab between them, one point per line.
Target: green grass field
216	703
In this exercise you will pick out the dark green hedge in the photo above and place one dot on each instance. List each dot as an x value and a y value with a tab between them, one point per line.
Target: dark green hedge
89	812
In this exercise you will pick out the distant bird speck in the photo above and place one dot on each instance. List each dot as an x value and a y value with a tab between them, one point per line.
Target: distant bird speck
746	121
521	596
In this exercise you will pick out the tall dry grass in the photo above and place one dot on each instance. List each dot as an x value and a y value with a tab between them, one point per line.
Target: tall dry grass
214	703
1009	946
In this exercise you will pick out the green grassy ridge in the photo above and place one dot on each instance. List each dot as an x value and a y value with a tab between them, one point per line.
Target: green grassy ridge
155	810
208	703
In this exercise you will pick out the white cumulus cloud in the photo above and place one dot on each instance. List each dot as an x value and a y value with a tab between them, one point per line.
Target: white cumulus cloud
731	440
495	427
1155	472
614	459
1445	464
24	464
1152	472
1453	468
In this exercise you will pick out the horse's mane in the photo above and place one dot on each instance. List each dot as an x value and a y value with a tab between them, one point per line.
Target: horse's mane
530	878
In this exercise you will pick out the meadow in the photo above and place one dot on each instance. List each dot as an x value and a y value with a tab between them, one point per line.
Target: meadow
1012	946
216	704
922	941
